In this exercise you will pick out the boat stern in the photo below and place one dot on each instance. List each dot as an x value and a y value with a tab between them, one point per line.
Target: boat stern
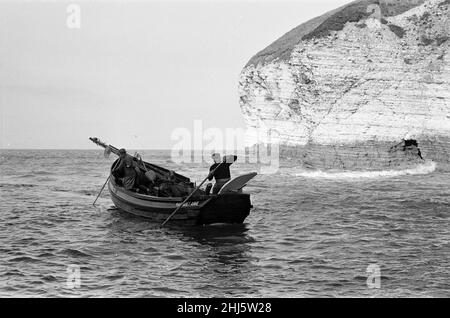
231	207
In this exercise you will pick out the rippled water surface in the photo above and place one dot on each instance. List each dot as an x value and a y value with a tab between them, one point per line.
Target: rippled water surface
308	235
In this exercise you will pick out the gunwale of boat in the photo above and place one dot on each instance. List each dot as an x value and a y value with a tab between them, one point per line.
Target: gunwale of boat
114	189
145	196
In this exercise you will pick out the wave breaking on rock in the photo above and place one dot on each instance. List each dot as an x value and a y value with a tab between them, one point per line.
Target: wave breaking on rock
422	169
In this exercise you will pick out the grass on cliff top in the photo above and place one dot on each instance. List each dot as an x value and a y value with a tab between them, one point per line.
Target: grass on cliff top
353	12
321	26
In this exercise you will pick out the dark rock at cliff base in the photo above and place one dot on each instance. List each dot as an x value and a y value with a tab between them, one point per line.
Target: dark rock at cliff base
369	156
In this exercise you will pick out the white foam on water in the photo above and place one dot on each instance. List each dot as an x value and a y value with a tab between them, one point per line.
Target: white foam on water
425	168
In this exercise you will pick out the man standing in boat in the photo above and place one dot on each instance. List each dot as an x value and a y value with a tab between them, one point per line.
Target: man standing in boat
222	174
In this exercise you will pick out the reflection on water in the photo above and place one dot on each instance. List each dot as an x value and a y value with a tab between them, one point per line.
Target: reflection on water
216	235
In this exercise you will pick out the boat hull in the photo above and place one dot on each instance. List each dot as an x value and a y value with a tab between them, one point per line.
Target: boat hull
224	208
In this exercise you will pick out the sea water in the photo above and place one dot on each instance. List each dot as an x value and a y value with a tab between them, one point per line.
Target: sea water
310	234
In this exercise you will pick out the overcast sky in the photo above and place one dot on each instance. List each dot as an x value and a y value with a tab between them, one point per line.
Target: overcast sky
134	71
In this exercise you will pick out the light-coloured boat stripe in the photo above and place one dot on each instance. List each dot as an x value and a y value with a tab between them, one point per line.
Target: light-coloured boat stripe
149	204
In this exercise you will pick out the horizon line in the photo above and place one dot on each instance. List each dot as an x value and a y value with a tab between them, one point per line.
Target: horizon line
127	148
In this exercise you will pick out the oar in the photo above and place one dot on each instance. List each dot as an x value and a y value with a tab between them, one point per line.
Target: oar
101	190
115	164
190	195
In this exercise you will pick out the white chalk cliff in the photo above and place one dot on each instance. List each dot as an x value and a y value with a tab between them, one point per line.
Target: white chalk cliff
348	88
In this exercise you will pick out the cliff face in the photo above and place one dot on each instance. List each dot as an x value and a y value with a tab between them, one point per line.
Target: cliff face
345	89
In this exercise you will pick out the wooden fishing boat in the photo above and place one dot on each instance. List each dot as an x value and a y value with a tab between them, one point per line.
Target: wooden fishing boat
229	206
